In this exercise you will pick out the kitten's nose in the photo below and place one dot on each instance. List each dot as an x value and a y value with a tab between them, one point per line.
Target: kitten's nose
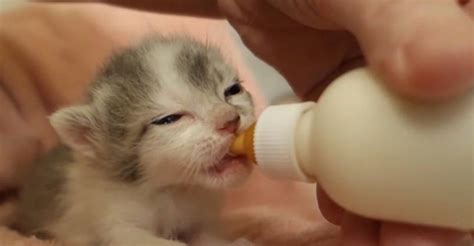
230	126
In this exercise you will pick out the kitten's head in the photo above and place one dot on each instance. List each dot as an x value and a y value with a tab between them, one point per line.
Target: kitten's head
164	113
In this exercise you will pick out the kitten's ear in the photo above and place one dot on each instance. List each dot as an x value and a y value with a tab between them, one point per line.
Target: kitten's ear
75	127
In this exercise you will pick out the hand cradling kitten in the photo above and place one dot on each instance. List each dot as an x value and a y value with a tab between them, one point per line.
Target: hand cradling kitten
144	160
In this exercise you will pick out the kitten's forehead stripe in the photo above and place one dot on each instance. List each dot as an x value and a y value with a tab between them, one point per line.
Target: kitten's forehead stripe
128	80
194	64
126	71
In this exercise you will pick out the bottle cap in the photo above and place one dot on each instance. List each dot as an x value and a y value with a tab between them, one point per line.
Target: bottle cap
274	141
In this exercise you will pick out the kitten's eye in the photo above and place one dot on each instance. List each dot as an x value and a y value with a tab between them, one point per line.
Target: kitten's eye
170	119
233	90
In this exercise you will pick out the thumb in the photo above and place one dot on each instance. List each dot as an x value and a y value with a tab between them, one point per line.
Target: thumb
424	49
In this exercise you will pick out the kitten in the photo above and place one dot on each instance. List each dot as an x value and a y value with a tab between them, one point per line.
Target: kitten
145	158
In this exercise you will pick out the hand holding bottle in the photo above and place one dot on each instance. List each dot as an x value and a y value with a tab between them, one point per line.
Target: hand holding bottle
413	51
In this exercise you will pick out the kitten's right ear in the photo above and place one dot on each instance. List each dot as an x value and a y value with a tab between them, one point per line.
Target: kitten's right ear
75	126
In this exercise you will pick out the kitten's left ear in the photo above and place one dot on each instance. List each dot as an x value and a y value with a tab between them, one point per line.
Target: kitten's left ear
76	126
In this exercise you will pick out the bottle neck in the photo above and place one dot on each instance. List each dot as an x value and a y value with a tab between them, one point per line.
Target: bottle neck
305	155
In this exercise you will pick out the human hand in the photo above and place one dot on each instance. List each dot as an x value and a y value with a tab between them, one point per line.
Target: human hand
311	42
23	121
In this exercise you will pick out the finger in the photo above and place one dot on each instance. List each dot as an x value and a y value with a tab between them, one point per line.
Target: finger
10	116
357	231
469	8
256	13
330	210
393	234
305	12
424	49
11	120
203	8
18	83
304	56
18	145
433	58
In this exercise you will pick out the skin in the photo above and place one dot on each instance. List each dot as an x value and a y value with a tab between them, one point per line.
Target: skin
414	51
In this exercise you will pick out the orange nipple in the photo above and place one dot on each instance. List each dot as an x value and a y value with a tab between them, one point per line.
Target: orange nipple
243	144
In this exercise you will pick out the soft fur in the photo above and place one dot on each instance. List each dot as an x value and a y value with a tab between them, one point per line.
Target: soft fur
123	179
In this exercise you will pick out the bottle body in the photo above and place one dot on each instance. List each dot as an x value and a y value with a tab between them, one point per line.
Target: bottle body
384	157
376	154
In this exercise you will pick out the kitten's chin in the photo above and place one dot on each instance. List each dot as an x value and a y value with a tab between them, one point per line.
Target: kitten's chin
230	171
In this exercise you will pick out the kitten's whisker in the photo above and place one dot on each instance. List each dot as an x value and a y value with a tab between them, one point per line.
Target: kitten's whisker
190	171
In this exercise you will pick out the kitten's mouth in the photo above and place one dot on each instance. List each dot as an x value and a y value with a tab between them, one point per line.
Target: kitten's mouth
228	164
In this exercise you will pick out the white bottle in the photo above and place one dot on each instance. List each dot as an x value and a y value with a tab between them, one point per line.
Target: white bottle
375	153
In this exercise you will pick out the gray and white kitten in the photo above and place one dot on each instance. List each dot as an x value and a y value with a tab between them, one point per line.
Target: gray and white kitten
149	151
